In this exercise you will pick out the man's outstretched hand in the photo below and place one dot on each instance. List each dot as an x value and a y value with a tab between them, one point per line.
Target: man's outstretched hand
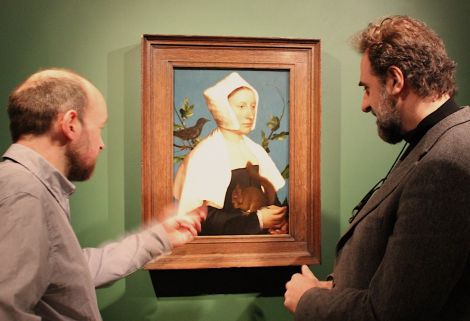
183	228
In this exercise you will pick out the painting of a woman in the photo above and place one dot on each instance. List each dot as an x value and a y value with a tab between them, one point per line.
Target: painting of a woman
229	172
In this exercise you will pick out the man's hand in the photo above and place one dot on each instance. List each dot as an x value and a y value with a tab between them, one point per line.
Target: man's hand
299	284
183	228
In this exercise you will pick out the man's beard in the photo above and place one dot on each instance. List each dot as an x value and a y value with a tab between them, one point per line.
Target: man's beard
388	119
78	170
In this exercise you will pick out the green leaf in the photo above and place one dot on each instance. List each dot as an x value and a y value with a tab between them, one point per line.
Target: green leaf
177	127
177	159
280	136
185	113
274	123
285	172
195	141
186	109
265	144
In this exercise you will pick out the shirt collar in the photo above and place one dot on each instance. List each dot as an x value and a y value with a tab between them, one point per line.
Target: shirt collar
414	136
448	108
59	186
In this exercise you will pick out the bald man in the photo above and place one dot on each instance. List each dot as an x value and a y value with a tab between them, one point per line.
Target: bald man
56	118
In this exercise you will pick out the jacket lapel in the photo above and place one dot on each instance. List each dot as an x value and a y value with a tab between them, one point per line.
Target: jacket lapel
405	167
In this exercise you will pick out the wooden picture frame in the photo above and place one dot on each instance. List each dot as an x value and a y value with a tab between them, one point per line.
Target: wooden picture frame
161	56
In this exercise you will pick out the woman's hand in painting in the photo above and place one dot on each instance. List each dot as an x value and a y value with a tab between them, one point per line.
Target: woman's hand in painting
183	228
283	228
272	216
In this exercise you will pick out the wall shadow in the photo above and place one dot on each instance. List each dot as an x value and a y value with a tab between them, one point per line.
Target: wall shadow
330	162
264	281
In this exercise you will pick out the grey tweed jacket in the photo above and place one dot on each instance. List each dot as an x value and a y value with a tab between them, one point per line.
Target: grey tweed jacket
406	256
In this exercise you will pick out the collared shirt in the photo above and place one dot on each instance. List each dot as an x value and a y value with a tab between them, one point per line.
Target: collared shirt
45	274
413	137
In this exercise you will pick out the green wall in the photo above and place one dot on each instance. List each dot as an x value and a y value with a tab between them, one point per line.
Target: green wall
101	40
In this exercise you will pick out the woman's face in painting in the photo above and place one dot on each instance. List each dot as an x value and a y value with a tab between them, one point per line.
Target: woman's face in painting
243	103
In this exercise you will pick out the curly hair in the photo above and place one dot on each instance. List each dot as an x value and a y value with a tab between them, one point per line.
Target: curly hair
412	46
34	104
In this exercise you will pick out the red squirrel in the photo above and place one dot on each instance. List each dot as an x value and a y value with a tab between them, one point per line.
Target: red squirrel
250	199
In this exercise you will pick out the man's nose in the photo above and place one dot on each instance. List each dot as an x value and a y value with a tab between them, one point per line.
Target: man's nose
102	145
365	106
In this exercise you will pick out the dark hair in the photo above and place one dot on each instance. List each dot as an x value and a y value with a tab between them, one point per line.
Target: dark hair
412	46
33	105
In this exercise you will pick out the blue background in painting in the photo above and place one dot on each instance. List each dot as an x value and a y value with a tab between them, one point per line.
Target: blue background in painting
273	91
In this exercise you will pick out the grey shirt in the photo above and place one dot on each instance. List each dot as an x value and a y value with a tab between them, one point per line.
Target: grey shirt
45	274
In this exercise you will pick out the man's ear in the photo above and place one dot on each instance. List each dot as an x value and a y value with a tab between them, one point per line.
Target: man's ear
395	80
70	124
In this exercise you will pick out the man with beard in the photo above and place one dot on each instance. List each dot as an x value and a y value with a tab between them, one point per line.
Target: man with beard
56	118
406	254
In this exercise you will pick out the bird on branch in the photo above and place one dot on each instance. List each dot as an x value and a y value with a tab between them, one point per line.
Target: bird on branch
193	132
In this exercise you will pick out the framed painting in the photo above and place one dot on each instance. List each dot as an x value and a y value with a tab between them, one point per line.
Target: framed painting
234	123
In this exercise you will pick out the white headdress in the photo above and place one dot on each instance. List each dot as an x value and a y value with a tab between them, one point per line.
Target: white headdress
219	106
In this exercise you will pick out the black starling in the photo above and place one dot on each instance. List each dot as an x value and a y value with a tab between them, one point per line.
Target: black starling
193	132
